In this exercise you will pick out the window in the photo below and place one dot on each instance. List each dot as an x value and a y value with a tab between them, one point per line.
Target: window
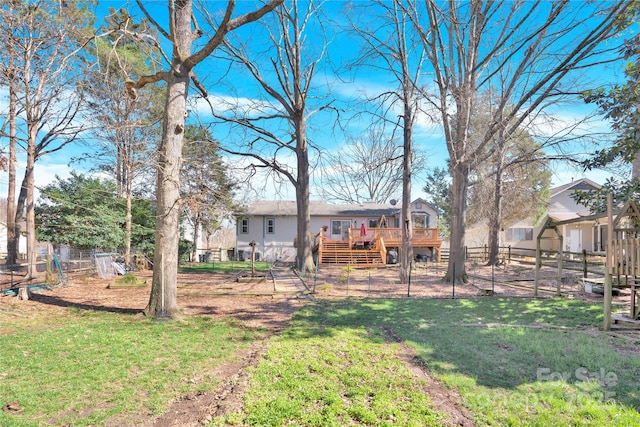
599	237
244	226
340	229
420	220
523	233
372	223
271	225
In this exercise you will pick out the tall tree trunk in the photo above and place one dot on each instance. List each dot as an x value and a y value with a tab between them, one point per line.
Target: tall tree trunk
13	236
495	220
460	183
165	258
304	252
128	218
495	216
406	253
30	207
164	287
196	235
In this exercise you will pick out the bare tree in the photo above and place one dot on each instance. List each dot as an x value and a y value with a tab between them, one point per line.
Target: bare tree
10	78
278	128
207	190
127	128
366	169
45	54
388	44
534	48
182	34
511	183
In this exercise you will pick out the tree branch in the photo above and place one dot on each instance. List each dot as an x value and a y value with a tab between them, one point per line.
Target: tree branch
131	86
226	26
153	21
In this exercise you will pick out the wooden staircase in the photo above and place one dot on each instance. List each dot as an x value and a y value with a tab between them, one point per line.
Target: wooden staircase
339	253
352	251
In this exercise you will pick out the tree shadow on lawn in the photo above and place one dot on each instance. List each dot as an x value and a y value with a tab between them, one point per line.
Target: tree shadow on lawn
500	343
274	315
60	302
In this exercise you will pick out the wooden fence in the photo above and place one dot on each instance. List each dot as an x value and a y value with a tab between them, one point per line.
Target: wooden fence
584	262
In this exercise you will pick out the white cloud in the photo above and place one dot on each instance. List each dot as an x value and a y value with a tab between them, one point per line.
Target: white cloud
576	120
44	174
223	104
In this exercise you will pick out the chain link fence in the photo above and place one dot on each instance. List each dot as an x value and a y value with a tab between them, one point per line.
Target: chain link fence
53	267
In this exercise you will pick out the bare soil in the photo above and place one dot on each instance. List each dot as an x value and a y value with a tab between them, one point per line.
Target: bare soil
270	304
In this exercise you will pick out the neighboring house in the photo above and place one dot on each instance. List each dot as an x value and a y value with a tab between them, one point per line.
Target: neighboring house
22	243
577	234
272	225
211	246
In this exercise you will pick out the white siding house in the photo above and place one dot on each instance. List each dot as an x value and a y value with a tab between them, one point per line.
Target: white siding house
577	235
22	242
272	225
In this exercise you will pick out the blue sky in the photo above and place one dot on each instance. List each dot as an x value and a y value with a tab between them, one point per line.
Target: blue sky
427	135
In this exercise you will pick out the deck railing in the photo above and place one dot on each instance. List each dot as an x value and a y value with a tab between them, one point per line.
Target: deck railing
381	239
393	236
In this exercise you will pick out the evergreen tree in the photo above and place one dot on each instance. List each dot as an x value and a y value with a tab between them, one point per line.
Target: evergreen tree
81	211
87	213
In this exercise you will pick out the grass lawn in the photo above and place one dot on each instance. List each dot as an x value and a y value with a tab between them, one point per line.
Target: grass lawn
90	367
514	362
224	267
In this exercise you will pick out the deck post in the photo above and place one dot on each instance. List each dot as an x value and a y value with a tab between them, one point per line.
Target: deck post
538	265
560	262
609	265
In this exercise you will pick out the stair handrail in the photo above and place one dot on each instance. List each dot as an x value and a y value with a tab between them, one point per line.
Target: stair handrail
383	248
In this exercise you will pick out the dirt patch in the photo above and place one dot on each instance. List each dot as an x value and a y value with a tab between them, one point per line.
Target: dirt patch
212	295
192	411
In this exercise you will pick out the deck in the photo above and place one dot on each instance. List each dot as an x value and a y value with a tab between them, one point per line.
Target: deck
372	249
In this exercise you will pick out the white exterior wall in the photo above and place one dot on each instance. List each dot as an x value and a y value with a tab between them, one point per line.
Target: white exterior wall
563	204
22	241
477	236
525	244
279	245
268	246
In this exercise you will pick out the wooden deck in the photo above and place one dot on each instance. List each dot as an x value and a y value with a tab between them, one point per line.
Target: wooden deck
371	249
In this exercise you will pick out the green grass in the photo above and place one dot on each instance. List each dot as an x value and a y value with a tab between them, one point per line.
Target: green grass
97	366
540	362
348	377
224	267
506	357
127	281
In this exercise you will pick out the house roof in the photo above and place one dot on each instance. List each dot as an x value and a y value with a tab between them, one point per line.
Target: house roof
562	207
564	216
424	202
579	184
320	208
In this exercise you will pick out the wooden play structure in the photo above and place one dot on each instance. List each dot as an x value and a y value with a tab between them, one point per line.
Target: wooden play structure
622	257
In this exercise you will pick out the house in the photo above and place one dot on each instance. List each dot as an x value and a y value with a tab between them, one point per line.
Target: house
22	242
272	225
577	234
